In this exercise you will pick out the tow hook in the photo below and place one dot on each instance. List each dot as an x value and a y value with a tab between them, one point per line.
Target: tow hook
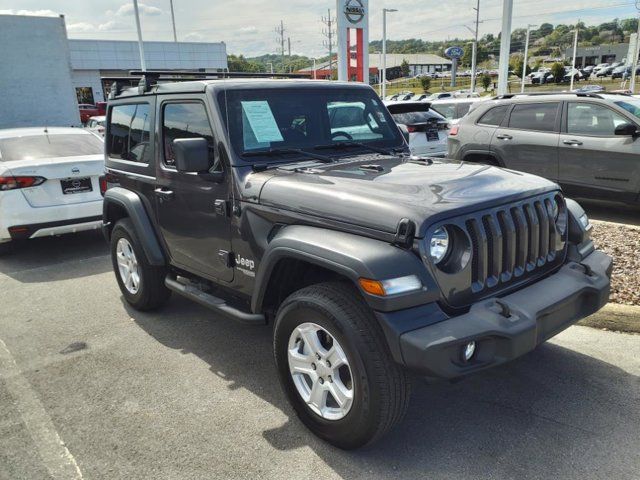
505	311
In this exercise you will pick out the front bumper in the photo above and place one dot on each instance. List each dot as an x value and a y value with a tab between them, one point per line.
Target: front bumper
508	327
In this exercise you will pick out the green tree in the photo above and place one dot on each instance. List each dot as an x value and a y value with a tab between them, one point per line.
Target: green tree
240	64
545	29
557	69
485	81
404	68
518	64
426	83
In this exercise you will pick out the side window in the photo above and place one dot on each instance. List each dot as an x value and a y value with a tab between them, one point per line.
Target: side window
186	120
592	119
463	109
494	116
447	110
540	117
129	133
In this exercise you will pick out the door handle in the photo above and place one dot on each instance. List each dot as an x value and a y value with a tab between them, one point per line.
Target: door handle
504	136
163	193
572	142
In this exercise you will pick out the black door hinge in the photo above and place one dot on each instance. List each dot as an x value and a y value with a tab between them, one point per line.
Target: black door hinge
221	207
226	258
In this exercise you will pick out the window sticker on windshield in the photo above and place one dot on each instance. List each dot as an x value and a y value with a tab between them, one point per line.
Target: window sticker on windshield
262	122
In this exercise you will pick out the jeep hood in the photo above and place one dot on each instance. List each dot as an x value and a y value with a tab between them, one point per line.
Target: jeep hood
377	193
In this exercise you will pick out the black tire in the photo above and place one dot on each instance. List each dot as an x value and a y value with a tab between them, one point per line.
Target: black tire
152	292
381	389
6	247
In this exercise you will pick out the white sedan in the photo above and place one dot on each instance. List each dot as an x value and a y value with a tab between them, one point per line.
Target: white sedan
427	129
49	182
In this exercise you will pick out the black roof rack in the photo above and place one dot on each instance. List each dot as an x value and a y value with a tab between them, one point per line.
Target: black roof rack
147	78
507	96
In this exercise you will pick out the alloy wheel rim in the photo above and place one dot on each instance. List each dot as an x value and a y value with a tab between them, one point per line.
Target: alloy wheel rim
320	371
128	266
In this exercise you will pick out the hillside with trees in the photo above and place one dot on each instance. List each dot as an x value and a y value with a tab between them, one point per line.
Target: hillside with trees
546	41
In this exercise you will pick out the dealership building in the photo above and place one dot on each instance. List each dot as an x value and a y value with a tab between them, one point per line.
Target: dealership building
45	75
595	54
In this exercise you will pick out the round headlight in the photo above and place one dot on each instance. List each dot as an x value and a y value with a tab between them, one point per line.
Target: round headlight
439	245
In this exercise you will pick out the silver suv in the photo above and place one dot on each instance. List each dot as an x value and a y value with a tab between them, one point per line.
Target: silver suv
586	142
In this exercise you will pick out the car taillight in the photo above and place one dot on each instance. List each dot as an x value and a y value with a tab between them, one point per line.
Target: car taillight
13	183
411	128
106	181
454	130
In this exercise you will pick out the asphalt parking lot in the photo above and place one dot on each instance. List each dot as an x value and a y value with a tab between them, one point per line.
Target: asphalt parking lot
91	389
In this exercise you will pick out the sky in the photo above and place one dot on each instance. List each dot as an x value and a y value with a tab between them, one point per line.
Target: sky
248	26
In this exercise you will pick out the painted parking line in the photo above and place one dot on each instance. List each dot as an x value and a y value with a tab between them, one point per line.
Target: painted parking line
54	454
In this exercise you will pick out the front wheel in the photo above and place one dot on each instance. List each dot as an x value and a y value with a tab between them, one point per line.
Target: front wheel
335	366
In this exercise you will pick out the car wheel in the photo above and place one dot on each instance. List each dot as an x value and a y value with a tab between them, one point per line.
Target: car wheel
335	366
141	284
6	247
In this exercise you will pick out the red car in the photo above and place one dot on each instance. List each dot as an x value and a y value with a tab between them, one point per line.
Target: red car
87	110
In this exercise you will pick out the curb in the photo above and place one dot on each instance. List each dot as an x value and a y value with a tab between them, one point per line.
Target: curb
616	317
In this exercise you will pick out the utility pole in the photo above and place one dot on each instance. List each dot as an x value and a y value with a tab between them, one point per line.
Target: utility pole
505	47
173	22
280	39
329	42
526	57
143	64
384	50
636	52
573	60
474	51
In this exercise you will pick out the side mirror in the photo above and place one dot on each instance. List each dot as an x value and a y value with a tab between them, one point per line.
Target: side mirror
191	154
626	129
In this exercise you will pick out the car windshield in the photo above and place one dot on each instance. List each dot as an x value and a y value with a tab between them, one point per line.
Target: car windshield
32	147
632	106
277	119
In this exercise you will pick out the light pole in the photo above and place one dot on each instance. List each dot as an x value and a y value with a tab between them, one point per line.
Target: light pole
143	64
474	52
526	56
271	65
505	46
173	22
384	49
573	61
634	64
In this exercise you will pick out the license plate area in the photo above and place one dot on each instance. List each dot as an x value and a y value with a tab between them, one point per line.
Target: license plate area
432	135
71	186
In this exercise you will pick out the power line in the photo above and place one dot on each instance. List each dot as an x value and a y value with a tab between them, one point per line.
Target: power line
329	32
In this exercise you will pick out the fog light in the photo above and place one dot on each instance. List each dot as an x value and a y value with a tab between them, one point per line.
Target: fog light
468	351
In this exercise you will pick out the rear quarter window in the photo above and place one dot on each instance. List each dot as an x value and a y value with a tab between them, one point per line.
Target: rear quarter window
494	116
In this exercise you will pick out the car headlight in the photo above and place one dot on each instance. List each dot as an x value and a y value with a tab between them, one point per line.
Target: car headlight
439	245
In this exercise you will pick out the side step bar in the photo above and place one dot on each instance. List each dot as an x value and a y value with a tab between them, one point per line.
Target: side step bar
214	303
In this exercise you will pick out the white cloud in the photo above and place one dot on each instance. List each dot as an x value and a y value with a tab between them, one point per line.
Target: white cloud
32	13
110	25
193	37
127	9
248	29
80	27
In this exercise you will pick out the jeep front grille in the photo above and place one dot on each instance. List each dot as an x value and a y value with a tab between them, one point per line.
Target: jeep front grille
509	245
510	242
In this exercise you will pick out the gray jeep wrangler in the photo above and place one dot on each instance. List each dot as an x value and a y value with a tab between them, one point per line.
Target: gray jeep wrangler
295	203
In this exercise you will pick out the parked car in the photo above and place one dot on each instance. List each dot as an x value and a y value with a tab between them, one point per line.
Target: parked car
588	70
575	73
599	67
440	95
588	143
88	110
618	72
605	71
542	77
589	89
368	263
48	182
454	108
427	129
97	124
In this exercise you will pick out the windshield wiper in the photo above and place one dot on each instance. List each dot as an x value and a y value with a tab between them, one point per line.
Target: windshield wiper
271	152
350	144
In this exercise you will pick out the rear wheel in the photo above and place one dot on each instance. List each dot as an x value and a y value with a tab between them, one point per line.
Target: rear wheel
141	284
335	366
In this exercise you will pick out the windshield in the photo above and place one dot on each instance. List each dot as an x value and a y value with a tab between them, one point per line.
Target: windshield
632	106
264	119
32	147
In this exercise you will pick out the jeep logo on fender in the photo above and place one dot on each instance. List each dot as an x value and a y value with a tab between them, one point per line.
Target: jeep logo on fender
245	265
354	11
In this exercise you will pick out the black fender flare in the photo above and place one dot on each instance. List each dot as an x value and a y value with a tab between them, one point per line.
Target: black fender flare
351	256
488	153
133	205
